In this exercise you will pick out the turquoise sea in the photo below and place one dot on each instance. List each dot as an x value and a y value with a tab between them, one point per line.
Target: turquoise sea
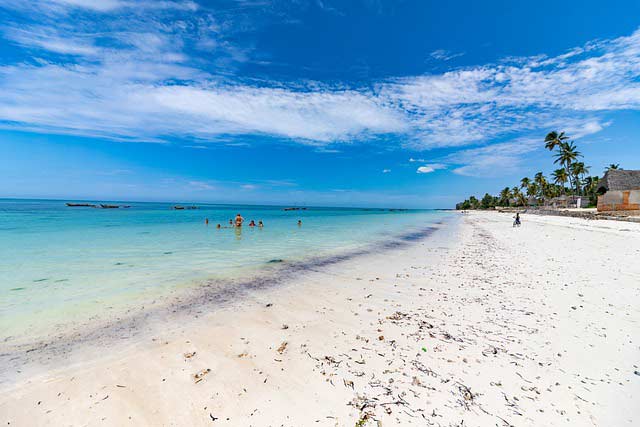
62	265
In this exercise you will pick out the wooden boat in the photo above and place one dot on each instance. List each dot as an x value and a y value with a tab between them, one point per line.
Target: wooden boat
80	205
103	206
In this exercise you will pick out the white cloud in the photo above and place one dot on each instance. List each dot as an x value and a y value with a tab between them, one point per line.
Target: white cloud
45	38
113	5
507	158
431	168
412	160
200	185
386	170
445	55
114	83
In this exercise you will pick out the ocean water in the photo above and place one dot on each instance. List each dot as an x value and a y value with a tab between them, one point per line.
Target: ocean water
64	265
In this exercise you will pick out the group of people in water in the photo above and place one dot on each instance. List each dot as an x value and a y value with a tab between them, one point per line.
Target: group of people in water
239	220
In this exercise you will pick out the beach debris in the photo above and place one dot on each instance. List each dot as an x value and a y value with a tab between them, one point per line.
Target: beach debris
285	326
269	305
244	354
467	395
282	347
348	383
189	355
381	338
490	350
398	315
199	376
363	420
212	417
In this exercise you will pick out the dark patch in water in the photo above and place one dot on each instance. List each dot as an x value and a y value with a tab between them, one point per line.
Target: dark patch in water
119	263
167	253
41	280
62	280
274	261
17	289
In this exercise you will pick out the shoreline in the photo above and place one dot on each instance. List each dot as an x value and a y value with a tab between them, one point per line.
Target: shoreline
137	323
489	326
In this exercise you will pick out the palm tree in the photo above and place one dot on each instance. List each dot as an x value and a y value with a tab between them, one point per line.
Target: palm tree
578	170
532	190
560	177
505	195
541	181
524	182
613	166
518	196
554	139
566	156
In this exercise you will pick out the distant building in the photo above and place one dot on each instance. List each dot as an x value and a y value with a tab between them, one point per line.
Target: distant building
619	190
565	202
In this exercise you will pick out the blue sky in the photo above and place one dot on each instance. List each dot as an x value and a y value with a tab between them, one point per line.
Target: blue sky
351	103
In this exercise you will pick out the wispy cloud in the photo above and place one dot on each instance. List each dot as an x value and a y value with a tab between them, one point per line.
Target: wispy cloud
508	157
445	55
100	78
200	185
386	170
104	6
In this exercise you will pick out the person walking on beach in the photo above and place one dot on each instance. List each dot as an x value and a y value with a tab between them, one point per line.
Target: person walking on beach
516	222
239	220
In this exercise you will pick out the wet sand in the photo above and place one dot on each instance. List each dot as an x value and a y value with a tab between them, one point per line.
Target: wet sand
479	324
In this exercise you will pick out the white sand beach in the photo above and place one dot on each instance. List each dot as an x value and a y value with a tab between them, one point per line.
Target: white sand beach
478	325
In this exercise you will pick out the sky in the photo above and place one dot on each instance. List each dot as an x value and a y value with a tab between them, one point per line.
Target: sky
414	104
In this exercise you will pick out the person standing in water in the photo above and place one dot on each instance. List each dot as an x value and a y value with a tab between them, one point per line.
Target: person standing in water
299	222
239	220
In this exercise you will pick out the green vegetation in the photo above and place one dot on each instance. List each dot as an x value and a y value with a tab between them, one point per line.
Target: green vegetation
540	190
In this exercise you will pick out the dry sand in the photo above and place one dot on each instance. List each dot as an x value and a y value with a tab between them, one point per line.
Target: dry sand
480	324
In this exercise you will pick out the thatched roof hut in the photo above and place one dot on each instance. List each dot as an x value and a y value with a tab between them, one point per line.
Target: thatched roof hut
619	180
619	190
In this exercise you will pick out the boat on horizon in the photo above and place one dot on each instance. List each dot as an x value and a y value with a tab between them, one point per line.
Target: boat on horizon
80	205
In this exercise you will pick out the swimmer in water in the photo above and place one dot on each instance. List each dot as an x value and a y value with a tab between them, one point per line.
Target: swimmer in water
252	223
231	222
299	222
218	226
206	221
260	224
239	220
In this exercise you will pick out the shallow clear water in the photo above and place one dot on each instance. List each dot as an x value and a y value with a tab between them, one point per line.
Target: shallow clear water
63	264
